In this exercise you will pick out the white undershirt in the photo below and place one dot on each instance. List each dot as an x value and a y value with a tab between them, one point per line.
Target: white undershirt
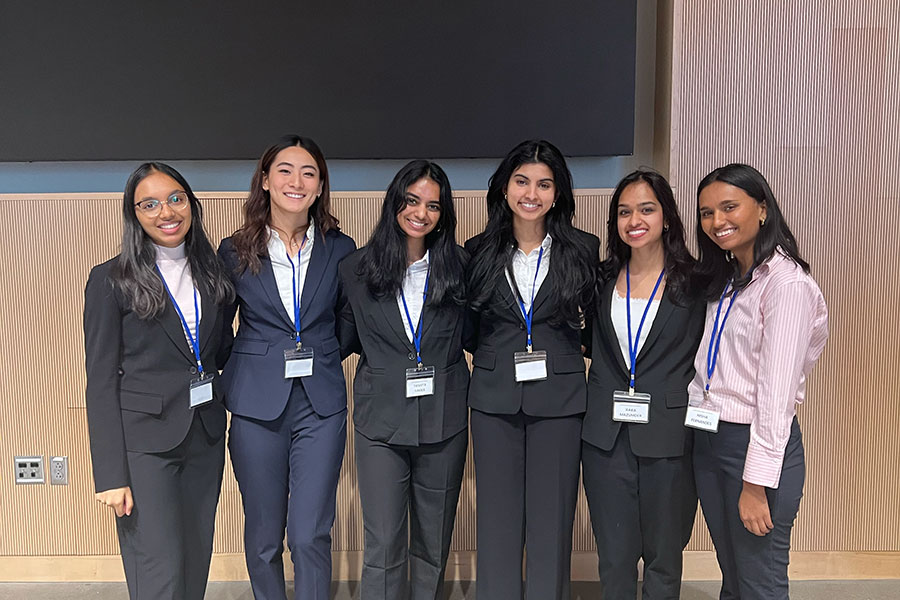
413	288
285	268
523	267
619	314
176	272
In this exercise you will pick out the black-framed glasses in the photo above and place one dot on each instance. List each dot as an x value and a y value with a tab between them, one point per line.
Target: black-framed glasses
177	201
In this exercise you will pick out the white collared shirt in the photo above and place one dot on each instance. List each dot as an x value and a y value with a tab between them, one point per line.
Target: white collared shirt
176	272
285	268
524	266
413	290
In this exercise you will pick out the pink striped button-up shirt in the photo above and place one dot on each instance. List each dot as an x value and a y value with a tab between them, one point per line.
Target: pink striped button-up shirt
775	332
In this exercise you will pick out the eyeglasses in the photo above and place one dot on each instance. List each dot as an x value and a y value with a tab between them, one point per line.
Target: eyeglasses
151	207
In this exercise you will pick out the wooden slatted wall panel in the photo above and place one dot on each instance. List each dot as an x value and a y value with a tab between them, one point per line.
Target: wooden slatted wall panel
43	398
807	92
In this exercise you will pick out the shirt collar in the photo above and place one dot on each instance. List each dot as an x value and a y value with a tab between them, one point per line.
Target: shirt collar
310	232
770	263
165	253
545	244
420	264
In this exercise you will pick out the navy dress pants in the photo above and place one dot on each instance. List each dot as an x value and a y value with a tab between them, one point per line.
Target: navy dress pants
287	470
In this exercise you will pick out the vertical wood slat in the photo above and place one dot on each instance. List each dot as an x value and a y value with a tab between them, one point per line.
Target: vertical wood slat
68	520
808	93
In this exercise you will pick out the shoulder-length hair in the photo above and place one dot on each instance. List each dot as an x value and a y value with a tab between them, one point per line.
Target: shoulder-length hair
251	240
715	266
383	266
134	273
679	263
573	270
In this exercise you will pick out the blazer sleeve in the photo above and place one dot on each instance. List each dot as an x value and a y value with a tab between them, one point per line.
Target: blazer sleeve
229	309
347	335
102	352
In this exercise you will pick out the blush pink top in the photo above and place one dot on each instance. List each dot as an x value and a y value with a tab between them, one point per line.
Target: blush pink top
774	334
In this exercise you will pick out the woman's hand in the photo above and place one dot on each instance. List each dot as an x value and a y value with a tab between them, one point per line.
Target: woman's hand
119	499
753	507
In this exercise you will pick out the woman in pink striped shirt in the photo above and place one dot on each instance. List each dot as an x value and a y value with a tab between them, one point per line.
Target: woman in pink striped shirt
766	325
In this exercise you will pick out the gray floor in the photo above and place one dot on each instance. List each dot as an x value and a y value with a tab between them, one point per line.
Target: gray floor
459	590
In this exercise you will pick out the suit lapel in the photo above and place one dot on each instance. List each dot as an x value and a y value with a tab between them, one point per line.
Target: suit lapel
321	254
509	297
543	292
665	310
207	320
607	329
394	319
171	324
270	287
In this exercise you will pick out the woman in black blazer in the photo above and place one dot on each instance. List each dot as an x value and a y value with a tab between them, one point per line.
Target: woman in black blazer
404	313
152	335
531	280
283	382
636	456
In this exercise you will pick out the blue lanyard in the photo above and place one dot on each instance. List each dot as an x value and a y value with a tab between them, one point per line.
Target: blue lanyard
417	332
528	315
194	338
296	291
712	353
633	347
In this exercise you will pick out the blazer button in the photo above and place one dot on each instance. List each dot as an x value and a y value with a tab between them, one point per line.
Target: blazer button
411	356
193	370
121	372
522	327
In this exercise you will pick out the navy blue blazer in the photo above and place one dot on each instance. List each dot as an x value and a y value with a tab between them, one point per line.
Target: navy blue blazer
664	367
253	379
138	378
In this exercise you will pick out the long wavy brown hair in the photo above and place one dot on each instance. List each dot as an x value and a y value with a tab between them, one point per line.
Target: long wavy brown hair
251	240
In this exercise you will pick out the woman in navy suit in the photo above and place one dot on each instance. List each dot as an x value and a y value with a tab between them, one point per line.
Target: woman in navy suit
283	381
636	455
531	282
404	314
152	333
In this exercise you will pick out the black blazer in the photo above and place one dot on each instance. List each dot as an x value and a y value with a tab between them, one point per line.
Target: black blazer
374	328
253	378
138	378
665	366
500	333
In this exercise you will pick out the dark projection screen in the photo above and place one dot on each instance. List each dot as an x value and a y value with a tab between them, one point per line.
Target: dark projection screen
203	80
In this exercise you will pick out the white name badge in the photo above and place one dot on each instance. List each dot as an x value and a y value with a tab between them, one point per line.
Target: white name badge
531	366
419	382
201	390
631	408
298	363
701	418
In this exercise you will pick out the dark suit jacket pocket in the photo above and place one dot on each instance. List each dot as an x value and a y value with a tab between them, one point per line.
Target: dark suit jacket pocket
485	359
330	345
245	346
568	363
141	402
676	399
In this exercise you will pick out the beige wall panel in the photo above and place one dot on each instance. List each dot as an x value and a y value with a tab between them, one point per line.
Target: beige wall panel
53	520
807	94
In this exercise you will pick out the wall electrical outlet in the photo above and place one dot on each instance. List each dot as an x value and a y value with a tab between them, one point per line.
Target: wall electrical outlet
29	469
59	470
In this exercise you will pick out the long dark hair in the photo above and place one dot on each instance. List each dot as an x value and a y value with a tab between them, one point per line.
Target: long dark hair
383	266
678	260
134	273
251	240
716	267
573	270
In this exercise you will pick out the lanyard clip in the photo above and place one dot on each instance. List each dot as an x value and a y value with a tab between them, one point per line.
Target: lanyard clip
528	348
299	345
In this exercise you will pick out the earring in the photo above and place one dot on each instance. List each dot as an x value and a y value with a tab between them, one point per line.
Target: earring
504	196
762	221
554	204
729	256
665	228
